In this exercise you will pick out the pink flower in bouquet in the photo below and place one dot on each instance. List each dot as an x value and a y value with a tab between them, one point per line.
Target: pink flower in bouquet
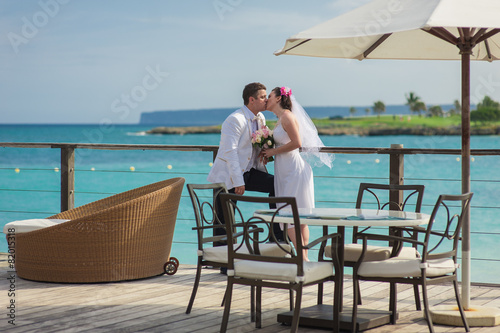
263	138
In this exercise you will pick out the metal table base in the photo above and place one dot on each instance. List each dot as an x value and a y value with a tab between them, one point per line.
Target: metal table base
321	316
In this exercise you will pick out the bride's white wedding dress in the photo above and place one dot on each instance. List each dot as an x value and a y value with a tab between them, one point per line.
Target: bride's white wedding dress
293	176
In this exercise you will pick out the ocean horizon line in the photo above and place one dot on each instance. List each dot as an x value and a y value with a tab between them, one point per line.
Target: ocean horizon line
148	118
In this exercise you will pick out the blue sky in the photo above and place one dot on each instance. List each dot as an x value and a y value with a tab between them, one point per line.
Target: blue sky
75	61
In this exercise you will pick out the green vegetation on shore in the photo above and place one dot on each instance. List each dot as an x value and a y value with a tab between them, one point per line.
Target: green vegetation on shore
485	121
369	125
389	121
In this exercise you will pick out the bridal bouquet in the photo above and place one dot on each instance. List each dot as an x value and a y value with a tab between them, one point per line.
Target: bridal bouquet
263	138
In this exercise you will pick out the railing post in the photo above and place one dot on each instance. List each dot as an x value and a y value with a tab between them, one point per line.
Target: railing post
214	156
67	178
396	174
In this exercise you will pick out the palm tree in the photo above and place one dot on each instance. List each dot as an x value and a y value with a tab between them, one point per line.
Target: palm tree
378	108
352	111
415	103
411	99
419	107
457	107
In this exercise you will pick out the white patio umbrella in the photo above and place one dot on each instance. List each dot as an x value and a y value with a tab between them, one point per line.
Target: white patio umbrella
415	30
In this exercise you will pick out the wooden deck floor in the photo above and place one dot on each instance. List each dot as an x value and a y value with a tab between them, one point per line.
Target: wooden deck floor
158	305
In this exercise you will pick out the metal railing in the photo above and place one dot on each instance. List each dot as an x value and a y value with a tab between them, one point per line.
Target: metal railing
395	173
396	169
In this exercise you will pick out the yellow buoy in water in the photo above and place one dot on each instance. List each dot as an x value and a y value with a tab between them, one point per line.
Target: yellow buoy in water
169	167
17	170
132	168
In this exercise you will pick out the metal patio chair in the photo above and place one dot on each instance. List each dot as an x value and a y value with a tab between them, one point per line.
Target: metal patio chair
212	246
377	196
438	263
253	268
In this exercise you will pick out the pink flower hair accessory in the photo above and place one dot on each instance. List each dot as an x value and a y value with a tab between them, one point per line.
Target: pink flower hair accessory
285	91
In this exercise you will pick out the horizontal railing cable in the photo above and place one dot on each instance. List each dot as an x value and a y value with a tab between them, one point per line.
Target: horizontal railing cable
213	149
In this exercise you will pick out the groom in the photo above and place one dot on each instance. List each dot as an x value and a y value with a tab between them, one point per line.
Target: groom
237	163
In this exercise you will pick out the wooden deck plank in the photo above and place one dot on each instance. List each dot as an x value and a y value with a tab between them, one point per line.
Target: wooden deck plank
158	305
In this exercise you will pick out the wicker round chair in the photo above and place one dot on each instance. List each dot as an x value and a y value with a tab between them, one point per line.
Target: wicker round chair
126	236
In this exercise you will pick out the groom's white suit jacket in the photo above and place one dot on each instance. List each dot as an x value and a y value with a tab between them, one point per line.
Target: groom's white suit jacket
235	149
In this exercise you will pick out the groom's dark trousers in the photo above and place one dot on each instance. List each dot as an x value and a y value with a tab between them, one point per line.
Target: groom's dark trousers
256	181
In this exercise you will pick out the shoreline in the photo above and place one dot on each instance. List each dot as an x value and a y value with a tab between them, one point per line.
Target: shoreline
418	130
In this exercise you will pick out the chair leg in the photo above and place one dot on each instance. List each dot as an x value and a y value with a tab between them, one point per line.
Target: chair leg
258	305
418	306
320	293
336	304
393	302
223	299
227	305
296	312
357	286
460	307
355	303
291	299
427	312
195	288
252	303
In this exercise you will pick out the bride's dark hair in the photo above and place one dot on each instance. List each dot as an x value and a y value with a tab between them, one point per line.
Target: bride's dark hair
285	102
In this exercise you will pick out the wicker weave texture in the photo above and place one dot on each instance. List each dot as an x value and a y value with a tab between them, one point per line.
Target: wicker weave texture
126	236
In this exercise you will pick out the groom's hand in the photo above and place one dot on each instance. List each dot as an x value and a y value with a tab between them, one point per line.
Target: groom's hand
239	190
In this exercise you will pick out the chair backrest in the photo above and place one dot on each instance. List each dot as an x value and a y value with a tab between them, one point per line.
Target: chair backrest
255	231
203	198
380	196
445	224
407	193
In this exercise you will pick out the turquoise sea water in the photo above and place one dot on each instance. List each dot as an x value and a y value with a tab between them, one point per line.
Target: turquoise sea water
33	192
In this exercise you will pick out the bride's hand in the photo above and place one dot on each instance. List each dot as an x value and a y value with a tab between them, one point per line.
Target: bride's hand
268	152
262	157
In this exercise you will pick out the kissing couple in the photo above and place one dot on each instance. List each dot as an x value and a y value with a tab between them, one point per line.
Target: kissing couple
241	165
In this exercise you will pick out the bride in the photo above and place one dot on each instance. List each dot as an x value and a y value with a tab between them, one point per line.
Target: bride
293	176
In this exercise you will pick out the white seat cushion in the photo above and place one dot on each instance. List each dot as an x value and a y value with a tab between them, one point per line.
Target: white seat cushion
397	267
219	253
258	270
373	253
30	225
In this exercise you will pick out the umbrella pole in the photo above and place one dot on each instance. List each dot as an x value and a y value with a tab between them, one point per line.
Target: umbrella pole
466	253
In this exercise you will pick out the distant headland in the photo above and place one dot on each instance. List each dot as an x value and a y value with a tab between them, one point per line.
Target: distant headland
361	131
396	120
214	117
